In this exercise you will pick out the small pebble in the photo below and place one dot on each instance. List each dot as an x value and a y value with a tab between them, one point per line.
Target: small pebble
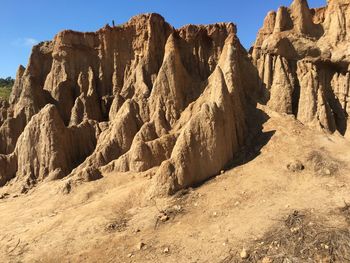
244	254
140	245
266	260
164	218
166	250
177	207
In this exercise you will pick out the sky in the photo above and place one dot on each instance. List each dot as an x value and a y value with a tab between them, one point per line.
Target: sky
27	22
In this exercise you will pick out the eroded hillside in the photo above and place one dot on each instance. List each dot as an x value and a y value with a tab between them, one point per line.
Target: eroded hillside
129	98
109	139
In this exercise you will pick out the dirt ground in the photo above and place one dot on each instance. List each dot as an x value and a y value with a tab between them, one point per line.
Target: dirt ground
290	170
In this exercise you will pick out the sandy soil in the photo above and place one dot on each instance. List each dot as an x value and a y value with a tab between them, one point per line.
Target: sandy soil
115	220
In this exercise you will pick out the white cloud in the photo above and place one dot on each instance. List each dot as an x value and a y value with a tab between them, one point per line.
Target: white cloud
25	42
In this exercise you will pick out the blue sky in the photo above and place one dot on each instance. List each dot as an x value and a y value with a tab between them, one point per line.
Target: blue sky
25	22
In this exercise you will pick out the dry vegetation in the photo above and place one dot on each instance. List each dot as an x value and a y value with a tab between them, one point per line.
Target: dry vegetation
301	237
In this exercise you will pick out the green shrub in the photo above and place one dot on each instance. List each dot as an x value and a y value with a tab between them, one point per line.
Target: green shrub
5	93
6	87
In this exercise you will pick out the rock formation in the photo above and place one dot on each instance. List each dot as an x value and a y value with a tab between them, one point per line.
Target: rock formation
128	98
144	96
302	56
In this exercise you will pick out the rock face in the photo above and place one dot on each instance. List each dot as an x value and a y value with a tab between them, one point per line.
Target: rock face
302	56
129	98
144	96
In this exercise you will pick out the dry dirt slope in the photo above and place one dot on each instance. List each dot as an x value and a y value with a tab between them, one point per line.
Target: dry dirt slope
113	219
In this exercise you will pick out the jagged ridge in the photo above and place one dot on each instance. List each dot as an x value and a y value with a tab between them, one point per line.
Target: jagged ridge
302	56
175	102
128	98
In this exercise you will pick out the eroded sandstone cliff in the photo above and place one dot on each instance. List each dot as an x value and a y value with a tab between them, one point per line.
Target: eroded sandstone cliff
128	98
144	96
302	56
